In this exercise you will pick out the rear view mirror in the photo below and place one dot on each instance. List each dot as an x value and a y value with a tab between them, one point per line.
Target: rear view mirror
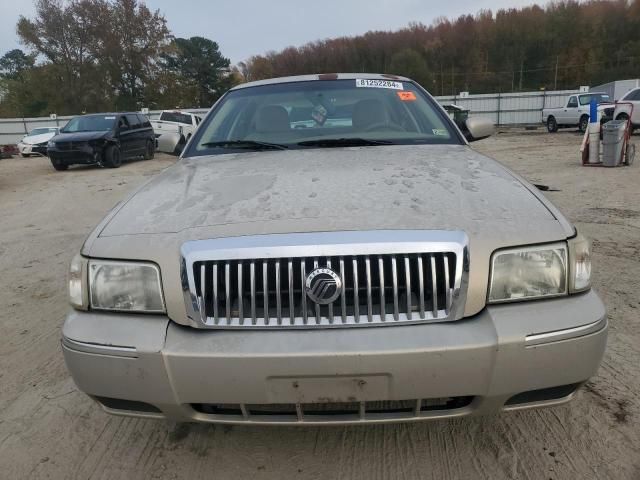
478	128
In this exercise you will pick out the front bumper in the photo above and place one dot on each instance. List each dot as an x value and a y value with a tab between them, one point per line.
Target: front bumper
506	357
168	141
84	155
30	149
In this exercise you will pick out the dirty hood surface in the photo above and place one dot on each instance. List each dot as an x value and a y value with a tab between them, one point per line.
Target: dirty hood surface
390	187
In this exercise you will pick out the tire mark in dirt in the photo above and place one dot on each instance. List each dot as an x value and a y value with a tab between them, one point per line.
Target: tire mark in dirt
95	442
471	439
151	450
412	450
557	430
513	457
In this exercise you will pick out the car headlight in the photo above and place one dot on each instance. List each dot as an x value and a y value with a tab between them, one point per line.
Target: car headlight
579	264
78	283
51	143
528	273
125	286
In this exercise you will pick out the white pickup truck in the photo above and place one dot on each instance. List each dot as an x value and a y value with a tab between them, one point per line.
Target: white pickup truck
174	129
575	113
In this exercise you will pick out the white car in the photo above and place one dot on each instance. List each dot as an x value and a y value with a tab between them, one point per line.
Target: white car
575	113
623	110
174	129
35	142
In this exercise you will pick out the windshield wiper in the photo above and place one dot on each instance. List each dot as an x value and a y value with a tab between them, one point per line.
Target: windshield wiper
343	142
247	144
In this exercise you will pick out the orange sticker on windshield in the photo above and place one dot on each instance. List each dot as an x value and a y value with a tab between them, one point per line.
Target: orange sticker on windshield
407	96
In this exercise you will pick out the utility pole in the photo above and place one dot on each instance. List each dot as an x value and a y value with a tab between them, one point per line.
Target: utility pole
555	81
453	92
521	67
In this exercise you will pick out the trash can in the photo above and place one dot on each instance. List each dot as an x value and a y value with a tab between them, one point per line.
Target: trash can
612	142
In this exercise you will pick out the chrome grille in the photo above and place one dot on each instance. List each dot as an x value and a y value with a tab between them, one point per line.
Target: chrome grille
396	281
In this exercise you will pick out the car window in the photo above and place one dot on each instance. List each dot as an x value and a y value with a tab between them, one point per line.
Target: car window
600	98
133	120
176	117
40	131
90	123
123	124
573	102
144	121
312	111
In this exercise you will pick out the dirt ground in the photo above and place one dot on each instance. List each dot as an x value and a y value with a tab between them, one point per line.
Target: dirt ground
50	430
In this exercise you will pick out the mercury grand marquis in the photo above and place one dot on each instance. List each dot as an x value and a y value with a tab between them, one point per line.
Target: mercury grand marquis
330	249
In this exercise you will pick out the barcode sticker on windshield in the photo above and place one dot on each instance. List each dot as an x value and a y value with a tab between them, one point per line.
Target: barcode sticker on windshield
363	82
109	118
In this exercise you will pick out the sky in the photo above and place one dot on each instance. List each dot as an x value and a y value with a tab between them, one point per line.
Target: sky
252	27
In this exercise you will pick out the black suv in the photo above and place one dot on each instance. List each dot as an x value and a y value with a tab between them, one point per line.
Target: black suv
104	139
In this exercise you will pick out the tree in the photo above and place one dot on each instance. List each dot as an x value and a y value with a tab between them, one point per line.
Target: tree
199	67
14	63
67	36
131	42
410	63
511	49
100	49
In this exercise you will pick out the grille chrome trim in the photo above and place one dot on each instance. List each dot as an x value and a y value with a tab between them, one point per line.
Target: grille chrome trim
396	258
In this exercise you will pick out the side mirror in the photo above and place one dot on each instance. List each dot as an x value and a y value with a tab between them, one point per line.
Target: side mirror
478	128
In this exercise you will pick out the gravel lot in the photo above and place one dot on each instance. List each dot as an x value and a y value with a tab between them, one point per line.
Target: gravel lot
50	430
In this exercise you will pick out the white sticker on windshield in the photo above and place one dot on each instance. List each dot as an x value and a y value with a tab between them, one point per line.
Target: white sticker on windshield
109	118
364	82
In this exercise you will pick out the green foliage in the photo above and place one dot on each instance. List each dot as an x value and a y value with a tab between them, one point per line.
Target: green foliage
516	49
14	63
199	70
100	55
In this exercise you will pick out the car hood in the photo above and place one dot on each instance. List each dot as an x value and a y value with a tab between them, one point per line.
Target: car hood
36	139
446	187
396	187
81	136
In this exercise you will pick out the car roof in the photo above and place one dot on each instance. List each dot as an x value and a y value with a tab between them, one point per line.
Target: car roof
110	114
323	76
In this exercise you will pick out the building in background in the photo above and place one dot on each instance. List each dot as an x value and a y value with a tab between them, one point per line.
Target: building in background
617	89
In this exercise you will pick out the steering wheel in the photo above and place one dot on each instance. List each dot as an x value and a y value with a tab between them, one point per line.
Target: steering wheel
383	126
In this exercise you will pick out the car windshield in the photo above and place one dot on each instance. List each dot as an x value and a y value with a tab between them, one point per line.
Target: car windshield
177	117
40	131
90	123
323	114
600	98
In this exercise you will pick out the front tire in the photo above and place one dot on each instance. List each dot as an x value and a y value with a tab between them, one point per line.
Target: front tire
59	165
149	151
112	157
552	125
584	123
